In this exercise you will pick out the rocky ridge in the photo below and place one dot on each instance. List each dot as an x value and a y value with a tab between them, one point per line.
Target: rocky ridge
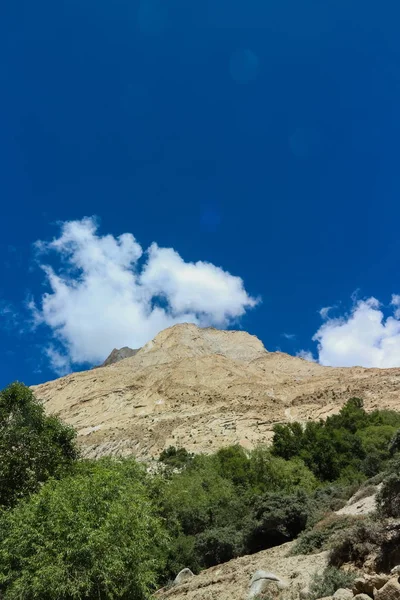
202	388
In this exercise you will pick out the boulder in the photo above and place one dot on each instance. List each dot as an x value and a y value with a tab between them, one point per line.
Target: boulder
362	597
363	585
390	591
183	576
343	594
378	580
263	581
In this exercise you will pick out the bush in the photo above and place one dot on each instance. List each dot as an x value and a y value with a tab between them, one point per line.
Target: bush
175	458
275	519
33	446
92	535
319	538
356	543
218	545
326	583
388	498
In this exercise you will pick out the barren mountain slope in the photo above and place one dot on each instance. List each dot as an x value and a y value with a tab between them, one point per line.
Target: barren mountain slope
203	389
230	581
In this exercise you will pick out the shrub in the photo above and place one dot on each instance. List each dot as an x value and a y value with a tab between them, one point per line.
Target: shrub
92	535
388	498
275	519
175	458
326	583
318	538
218	545
33	446
356	543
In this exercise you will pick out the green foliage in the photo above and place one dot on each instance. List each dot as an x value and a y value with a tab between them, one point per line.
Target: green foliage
218	545
319	538
349	446
331	579
388	499
275	518
176	458
272	473
355	543
33	446
92	535
394	445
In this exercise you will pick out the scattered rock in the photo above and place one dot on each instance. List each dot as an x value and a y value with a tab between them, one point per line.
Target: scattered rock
378	580
343	594
183	576
362	585
390	591
263	581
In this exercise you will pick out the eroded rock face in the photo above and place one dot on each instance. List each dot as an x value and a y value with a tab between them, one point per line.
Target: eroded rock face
203	389
390	591
119	354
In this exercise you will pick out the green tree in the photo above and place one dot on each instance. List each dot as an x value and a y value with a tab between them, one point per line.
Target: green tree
91	535
276	518
33	446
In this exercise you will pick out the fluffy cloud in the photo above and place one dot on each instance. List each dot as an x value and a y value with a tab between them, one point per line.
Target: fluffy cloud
107	292
307	355
365	337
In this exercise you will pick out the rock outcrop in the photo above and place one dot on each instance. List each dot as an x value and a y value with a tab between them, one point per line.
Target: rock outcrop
202	389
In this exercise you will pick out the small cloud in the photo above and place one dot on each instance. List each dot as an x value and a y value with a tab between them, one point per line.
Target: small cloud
324	312
306	355
289	336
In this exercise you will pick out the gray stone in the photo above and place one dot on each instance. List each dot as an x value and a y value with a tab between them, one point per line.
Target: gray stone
263	581
183	576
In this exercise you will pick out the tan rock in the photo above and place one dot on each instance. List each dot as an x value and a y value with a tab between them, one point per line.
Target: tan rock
378	580
363	585
189	381
343	594
390	591
362	597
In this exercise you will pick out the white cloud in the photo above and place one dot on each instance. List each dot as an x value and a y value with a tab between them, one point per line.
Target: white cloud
289	336
103	296
307	355
365	337
324	312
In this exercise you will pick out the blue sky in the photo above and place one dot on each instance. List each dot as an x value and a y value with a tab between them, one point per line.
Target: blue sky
259	137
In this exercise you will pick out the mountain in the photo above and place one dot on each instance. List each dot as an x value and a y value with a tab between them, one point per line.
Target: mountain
118	354
202	388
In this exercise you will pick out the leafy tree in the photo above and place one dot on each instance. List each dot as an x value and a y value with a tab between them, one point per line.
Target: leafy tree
233	463
91	535
33	446
275	519
269	473
176	458
288	440
218	545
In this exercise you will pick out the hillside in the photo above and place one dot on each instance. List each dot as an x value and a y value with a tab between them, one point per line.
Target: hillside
203	389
